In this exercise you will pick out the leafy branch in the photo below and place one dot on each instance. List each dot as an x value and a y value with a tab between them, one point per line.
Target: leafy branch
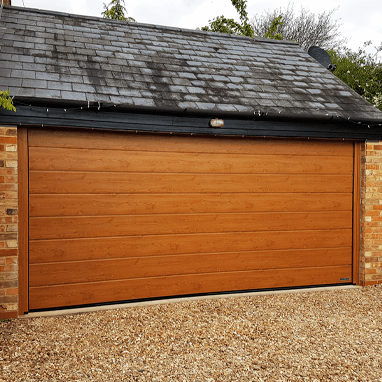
116	11
223	25
6	101
272	31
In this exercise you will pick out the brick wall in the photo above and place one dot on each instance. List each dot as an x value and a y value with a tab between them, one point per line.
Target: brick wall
371	214
9	223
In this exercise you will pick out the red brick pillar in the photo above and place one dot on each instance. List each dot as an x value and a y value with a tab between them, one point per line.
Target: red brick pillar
9	291
6	2
371	214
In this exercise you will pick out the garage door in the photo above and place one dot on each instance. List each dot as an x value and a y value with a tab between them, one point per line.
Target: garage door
120	216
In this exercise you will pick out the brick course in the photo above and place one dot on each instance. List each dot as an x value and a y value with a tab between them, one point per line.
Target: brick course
371	214
8	223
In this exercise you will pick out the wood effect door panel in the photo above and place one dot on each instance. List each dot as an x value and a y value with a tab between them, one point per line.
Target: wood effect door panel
119	216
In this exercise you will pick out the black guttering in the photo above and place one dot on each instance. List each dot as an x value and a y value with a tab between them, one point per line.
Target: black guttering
257	113
257	126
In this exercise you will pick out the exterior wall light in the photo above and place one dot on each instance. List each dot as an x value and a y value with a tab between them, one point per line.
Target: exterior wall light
216	122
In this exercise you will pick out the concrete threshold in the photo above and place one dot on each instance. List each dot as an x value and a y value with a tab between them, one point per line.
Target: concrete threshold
90	309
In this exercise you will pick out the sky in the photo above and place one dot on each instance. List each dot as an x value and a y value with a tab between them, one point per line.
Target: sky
361	20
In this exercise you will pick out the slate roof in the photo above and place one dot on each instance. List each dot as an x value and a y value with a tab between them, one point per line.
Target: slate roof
55	56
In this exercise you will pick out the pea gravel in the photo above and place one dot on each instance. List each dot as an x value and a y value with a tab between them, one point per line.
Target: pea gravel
334	335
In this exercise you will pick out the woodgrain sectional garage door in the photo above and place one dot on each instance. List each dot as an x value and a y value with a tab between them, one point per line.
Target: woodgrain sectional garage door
118	216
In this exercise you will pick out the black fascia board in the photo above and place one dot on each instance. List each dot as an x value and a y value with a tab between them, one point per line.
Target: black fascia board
109	118
162	110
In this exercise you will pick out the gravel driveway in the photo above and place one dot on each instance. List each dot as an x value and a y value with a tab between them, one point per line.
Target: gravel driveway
334	335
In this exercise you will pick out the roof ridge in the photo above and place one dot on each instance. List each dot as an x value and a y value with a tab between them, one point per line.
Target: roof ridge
149	26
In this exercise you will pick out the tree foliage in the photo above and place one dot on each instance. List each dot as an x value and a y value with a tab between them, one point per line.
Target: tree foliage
6	101
223	25
116	11
305	27
361	71
272	31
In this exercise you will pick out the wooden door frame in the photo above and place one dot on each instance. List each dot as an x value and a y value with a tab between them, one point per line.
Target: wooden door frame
356	210
23	195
